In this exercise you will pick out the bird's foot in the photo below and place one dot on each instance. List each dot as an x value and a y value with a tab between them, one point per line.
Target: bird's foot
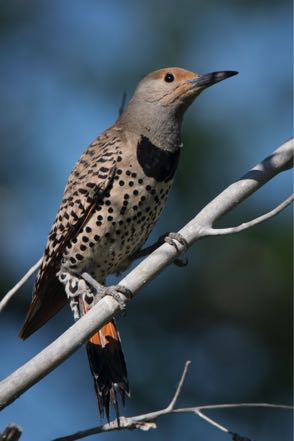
119	292
172	239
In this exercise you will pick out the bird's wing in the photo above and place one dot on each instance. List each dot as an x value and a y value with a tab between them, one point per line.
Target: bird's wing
89	182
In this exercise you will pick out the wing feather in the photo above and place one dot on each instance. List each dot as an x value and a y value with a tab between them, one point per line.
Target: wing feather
89	182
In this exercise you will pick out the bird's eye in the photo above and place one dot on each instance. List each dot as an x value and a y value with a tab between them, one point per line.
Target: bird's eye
169	78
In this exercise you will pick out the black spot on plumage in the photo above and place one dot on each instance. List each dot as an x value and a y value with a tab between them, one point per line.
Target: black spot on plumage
90	184
83	191
157	163
89	299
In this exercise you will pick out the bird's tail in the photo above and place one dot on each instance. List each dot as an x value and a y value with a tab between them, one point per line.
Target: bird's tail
108	367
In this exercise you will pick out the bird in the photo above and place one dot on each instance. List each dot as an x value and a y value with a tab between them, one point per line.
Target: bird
112	199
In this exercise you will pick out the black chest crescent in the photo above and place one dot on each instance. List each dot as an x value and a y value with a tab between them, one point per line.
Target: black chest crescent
157	163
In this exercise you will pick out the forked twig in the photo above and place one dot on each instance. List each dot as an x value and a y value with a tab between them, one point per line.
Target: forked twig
148	421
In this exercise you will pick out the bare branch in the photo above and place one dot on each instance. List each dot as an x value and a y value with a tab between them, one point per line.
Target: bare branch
173	402
44	362
8	296
210	421
148	421
252	223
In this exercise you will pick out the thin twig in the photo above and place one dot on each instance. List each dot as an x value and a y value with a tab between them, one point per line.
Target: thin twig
252	223
8	296
211	421
174	400
148	421
232	406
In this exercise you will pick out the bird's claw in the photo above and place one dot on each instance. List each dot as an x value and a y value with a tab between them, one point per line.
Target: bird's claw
172	239
119	293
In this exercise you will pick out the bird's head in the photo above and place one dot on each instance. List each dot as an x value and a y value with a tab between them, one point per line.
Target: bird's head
160	100
175	88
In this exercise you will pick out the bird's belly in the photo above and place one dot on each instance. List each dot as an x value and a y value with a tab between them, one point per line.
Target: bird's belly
117	229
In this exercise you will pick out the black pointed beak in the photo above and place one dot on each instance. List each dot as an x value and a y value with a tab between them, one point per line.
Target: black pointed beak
209	79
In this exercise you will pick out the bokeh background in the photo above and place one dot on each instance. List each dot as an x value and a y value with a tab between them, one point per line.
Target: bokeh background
64	67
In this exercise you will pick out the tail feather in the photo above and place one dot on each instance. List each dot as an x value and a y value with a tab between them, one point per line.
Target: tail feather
108	368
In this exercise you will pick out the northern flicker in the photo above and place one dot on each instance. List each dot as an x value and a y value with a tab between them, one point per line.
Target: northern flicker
111	202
